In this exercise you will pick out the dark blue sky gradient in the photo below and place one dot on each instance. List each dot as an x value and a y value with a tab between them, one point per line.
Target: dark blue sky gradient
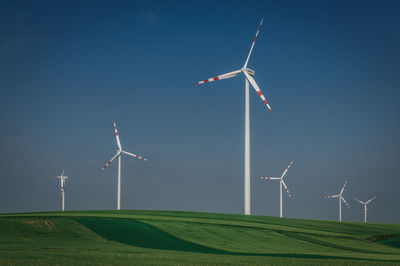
330	70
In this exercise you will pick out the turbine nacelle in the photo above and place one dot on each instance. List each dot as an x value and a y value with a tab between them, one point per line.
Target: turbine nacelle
249	70
62	177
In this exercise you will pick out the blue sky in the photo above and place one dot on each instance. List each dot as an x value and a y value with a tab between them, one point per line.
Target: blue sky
330	71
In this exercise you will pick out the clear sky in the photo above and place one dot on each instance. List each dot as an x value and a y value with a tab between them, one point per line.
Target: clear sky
330	70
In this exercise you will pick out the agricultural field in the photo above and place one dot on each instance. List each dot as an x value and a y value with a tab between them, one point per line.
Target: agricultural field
184	238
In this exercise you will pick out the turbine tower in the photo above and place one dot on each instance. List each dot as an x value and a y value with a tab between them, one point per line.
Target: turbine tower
118	154
281	182
248	73
365	206
340	200
62	178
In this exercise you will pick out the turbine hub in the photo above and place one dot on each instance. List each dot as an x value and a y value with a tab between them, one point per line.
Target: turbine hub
250	71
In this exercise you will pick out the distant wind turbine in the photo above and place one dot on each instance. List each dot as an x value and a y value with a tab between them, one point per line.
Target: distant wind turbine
62	178
281	182
365	206
248	73
118	154
340	200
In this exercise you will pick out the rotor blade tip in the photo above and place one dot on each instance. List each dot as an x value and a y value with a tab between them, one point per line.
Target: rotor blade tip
269	107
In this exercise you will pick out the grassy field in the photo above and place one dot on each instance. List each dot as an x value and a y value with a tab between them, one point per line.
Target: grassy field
184	238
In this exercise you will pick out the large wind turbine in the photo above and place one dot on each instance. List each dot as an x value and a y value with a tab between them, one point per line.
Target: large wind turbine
248	73
281	182
62	178
340	200
365	206
118	154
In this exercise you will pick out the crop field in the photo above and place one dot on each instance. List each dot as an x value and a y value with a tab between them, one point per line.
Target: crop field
189	238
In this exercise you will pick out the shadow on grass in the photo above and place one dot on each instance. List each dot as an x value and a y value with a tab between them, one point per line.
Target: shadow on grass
391	242
139	234
313	238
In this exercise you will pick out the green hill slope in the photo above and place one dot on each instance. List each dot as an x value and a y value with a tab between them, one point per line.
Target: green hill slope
159	237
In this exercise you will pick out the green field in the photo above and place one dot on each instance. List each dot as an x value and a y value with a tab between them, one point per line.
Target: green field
161	237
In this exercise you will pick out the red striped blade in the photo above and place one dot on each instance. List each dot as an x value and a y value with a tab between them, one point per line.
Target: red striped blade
286	188
110	161
254	41
255	86
136	156
223	76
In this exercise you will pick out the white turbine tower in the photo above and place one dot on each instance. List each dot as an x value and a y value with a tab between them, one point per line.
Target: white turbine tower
248	73
365	206
340	200
281	182
118	154
62	178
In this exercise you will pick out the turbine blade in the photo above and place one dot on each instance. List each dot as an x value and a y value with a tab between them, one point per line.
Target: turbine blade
223	76
344	201
287	190
359	201
116	136
134	155
255	86
345	182
287	168
371	199
252	45
271	178
331	196
112	159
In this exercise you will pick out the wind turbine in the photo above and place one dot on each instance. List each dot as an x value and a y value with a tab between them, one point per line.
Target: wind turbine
62	178
365	206
281	182
248	73
340	200
119	154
